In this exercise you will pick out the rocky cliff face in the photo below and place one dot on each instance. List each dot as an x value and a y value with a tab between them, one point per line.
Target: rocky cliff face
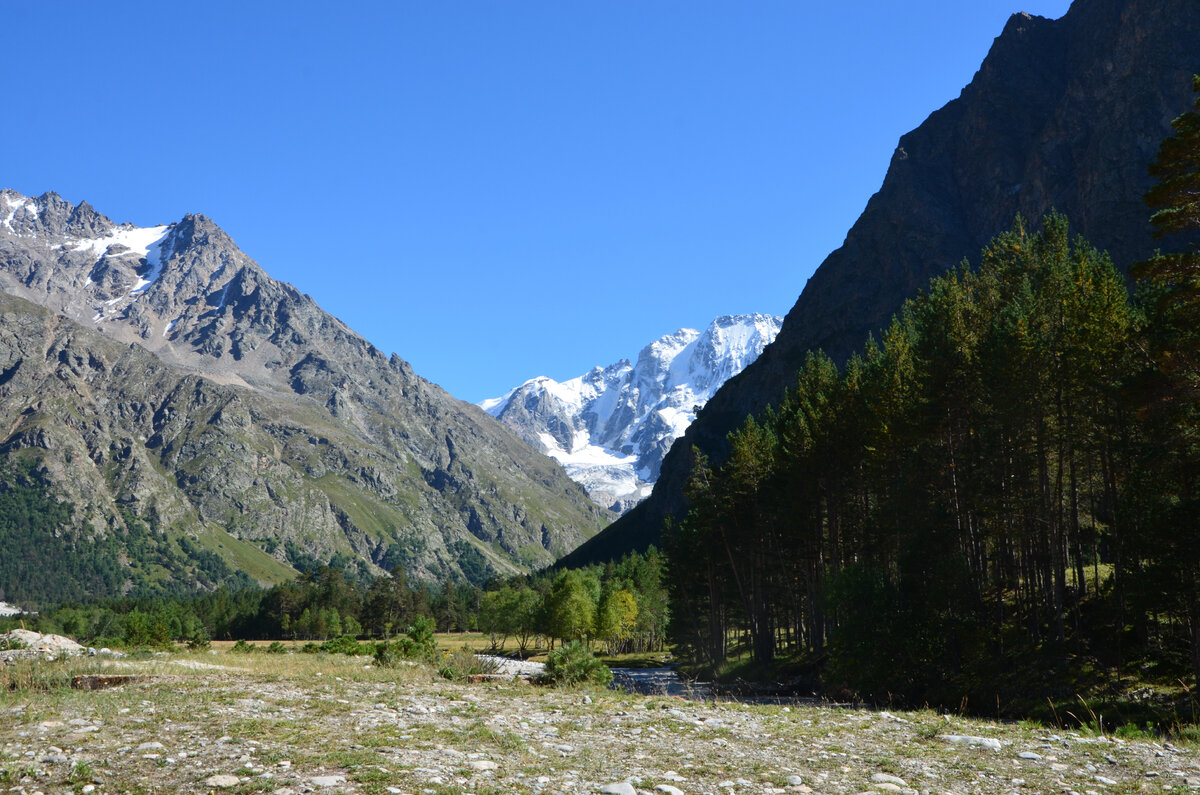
177	379
1063	114
611	427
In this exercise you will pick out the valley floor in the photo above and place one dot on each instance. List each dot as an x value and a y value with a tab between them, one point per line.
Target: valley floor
305	723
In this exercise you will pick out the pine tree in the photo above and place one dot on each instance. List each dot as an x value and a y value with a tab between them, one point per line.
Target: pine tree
1175	200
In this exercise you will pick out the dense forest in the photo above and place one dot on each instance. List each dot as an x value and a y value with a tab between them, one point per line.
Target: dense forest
994	502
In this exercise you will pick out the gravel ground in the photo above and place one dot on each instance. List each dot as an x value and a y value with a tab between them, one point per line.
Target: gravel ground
311	723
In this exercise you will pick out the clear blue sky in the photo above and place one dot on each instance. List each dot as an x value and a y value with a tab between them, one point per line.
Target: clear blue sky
493	190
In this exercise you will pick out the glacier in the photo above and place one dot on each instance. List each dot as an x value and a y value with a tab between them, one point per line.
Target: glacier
611	427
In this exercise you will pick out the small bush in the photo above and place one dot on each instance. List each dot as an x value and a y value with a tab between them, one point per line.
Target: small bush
200	642
276	647
574	664
242	647
417	643
10	644
1131	731
310	648
346	644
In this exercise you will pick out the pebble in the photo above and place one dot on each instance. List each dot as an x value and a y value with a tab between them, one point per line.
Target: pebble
884	778
483	764
151	747
222	781
624	788
1029	755
668	789
327	781
966	739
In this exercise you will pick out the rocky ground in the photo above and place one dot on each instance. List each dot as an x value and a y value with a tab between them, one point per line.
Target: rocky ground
308	723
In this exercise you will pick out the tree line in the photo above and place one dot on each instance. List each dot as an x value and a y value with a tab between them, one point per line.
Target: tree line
623	604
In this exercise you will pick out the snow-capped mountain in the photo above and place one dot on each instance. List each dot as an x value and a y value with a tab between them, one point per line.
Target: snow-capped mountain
611	427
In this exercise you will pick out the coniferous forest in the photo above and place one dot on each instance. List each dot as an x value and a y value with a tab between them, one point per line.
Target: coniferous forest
995	503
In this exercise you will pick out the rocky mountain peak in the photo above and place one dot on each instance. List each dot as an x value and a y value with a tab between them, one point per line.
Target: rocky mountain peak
304	431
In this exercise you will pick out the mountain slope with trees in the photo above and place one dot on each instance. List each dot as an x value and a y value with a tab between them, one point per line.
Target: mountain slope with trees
167	380
1063	114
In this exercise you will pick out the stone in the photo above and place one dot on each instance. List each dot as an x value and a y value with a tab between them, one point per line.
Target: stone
1030	755
623	788
222	781
482	764
979	742
668	789
327	781
884	778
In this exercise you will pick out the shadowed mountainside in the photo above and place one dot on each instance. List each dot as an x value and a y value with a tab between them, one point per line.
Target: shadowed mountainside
1063	114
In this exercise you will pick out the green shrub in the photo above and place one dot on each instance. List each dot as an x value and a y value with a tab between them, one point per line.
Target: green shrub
200	642
574	664
417	643
276	647
1131	731
310	648
10	644
242	647
346	644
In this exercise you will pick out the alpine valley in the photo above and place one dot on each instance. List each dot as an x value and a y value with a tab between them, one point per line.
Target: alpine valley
199	419
611	427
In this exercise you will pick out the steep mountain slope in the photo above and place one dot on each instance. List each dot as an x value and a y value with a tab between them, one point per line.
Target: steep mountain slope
611	427
1062	114
241	406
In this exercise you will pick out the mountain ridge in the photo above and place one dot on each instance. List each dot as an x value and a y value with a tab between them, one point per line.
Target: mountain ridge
366	458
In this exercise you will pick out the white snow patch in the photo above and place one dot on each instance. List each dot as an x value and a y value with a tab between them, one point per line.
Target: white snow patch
15	203
167	328
138	239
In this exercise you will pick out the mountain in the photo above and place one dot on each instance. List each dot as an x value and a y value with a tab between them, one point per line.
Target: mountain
611	427
164	376
1063	114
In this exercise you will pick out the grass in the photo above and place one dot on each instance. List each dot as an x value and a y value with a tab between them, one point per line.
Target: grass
245	556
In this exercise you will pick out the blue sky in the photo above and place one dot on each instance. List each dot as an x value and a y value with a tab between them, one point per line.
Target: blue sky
493	190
